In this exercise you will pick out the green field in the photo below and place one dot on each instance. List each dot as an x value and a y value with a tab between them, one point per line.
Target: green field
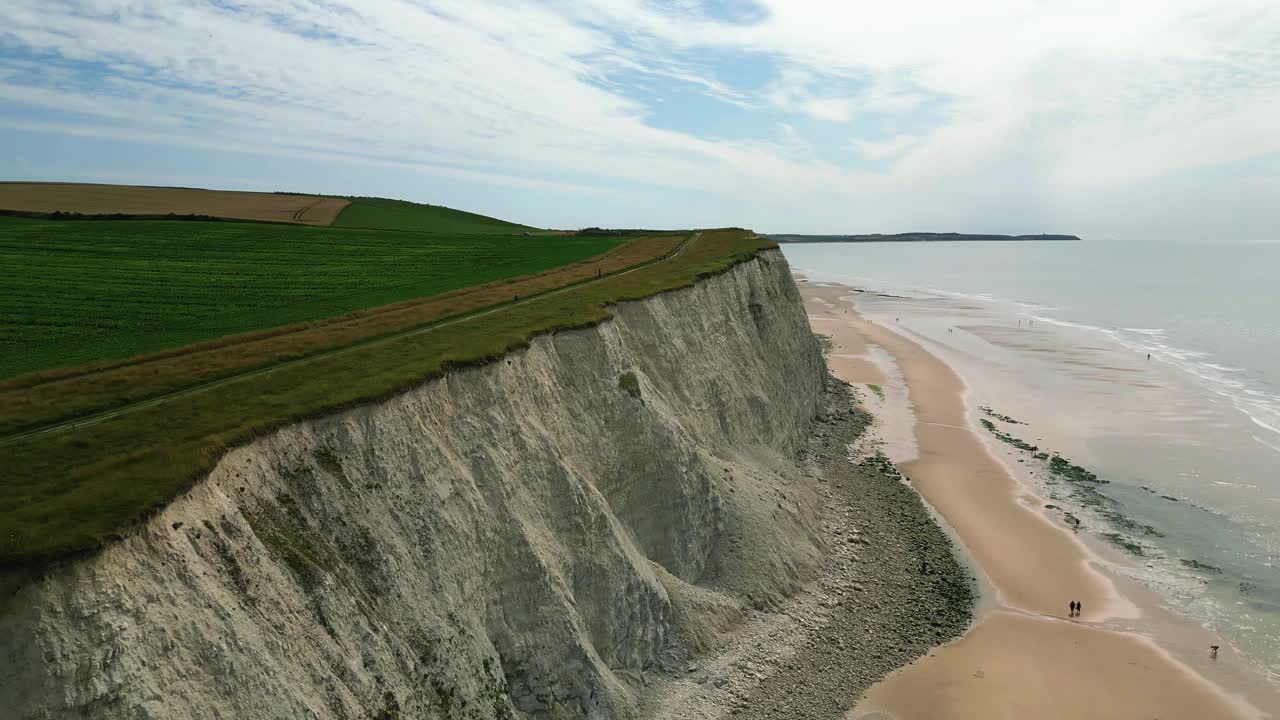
382	214
83	291
76	488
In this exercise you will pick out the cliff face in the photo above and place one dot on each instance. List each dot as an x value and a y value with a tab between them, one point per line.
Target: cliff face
521	538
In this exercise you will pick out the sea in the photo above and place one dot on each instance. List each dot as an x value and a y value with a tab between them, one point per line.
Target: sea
1156	366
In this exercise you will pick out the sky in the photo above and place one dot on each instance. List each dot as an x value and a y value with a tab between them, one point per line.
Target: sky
1116	120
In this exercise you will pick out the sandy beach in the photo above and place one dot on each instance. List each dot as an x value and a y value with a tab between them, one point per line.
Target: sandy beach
1024	657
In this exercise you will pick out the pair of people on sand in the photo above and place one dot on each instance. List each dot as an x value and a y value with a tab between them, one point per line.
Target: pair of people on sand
1077	606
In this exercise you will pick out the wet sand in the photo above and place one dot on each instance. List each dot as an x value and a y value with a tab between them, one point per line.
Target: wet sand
1024	657
1011	665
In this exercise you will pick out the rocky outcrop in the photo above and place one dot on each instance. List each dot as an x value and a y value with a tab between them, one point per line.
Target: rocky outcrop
516	539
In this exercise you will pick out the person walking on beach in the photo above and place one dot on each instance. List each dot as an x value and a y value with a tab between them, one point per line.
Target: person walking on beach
1073	609
1213	652
1079	608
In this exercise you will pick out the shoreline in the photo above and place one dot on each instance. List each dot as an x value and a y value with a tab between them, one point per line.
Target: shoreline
1022	656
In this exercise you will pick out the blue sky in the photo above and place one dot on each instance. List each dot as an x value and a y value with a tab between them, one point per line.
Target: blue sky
1137	120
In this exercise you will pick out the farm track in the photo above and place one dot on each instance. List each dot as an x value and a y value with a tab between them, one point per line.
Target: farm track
300	214
430	327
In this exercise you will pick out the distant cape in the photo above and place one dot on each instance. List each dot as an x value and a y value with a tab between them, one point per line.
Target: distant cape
919	237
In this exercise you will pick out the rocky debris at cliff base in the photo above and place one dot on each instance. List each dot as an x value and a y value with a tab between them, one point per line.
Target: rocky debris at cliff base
890	588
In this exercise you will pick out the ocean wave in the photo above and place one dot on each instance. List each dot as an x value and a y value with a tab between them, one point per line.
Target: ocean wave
1145	331
1264	425
1224	483
1068	323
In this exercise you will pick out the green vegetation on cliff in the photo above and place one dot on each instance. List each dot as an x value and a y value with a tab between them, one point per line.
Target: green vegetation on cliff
87	291
73	487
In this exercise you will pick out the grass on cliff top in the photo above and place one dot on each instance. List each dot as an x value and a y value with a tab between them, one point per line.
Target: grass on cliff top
32	402
384	214
86	291
71	491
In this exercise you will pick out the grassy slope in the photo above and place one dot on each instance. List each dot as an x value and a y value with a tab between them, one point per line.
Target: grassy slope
73	490
85	291
383	214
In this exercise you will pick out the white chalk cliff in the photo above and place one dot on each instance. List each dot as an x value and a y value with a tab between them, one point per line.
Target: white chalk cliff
515	539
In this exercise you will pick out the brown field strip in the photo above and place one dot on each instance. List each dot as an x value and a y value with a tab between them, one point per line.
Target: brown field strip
140	200
33	401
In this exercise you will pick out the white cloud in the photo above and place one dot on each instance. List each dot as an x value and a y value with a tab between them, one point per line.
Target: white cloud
884	149
995	102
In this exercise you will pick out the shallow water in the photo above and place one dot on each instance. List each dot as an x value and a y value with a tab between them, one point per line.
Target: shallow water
1056	335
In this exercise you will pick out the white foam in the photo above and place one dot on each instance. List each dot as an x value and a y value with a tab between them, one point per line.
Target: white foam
1224	483
1264	425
